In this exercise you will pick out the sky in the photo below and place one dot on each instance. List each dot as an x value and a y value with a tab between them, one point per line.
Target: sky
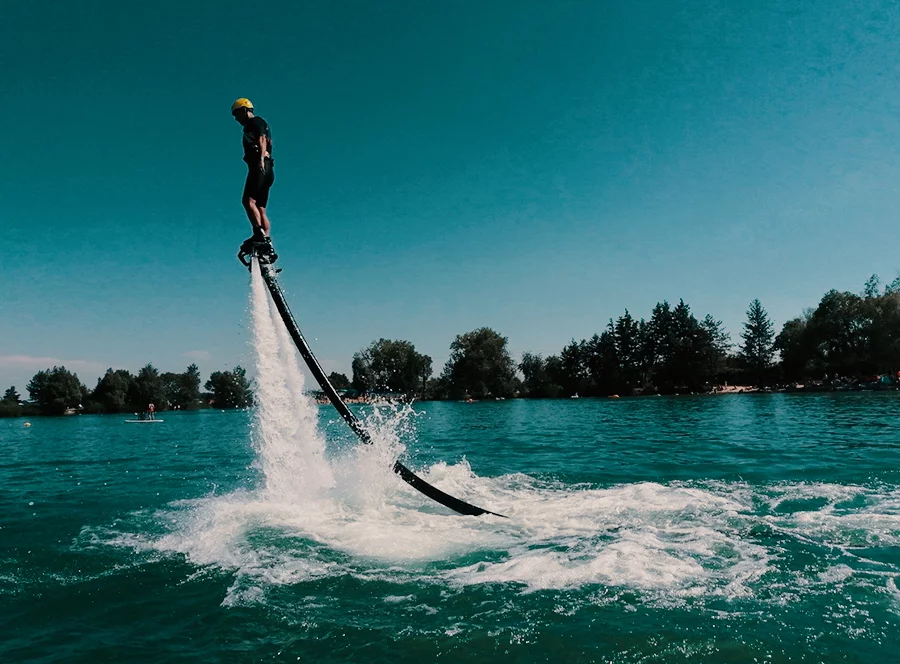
536	167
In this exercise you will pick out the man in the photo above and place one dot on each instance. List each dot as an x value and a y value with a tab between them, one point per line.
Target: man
257	143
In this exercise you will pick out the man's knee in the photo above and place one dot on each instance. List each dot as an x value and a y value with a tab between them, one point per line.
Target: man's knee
248	203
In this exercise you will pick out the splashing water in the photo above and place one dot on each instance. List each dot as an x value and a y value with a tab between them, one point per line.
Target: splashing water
289	445
363	481
558	536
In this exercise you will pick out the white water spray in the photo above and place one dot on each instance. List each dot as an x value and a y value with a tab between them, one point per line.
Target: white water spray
289	444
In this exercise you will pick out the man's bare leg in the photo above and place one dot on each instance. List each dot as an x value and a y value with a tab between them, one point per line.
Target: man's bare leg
264	221
256	215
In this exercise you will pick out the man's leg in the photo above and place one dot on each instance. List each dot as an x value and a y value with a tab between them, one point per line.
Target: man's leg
256	215
249	200
263	220
268	250
262	196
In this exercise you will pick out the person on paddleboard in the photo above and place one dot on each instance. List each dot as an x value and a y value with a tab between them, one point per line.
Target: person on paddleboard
257	143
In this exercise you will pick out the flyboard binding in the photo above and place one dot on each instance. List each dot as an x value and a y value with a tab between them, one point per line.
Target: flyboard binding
261	249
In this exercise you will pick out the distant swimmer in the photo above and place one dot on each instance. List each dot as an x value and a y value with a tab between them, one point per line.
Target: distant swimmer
257	143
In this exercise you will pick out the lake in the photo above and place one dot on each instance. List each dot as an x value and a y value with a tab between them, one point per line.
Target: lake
725	528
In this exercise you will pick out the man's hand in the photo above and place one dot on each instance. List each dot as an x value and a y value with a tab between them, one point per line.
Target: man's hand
262	165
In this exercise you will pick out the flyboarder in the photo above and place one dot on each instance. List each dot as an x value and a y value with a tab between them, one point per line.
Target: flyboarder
257	143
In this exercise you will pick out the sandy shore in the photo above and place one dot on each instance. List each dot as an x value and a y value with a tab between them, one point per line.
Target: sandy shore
733	389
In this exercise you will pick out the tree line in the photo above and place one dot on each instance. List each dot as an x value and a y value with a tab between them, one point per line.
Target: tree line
57	390
671	351
847	339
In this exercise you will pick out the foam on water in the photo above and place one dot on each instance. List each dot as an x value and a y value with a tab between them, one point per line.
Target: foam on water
671	544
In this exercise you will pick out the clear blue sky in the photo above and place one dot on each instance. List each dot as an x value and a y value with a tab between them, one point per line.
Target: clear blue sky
536	167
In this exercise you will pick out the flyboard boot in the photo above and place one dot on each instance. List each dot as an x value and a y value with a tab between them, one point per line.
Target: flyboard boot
260	246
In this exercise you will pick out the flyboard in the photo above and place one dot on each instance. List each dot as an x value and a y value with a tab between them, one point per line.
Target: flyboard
265	255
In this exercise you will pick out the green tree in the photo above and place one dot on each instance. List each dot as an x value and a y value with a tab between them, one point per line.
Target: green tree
230	389
534	373
758	336
839	333
148	387
553	367
480	365
793	345
659	346
872	287
604	365
182	390
538	382
55	390
572	368
437	388
189	397
390	365
626	333
339	380
363	378
171	384
716	347
847	335
678	352
691	348
884	332
878	318
112	390
9	405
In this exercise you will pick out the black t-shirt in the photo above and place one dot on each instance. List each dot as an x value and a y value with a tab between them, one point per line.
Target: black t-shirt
255	128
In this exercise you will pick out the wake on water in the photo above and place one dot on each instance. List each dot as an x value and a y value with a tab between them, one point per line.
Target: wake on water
317	515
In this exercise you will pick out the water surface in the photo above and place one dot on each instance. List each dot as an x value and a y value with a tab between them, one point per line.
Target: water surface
717	529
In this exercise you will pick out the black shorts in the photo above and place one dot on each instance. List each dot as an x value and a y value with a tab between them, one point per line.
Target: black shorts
258	184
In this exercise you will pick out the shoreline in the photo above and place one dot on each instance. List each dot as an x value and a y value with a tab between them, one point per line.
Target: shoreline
728	389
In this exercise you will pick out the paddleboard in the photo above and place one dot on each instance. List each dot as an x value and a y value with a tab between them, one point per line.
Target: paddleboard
143	421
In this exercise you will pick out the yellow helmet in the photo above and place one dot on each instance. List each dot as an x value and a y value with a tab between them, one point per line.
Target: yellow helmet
243	102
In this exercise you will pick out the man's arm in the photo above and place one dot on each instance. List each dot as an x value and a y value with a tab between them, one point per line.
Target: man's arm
263	143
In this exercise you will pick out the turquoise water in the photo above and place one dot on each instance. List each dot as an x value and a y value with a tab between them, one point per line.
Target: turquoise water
734	528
